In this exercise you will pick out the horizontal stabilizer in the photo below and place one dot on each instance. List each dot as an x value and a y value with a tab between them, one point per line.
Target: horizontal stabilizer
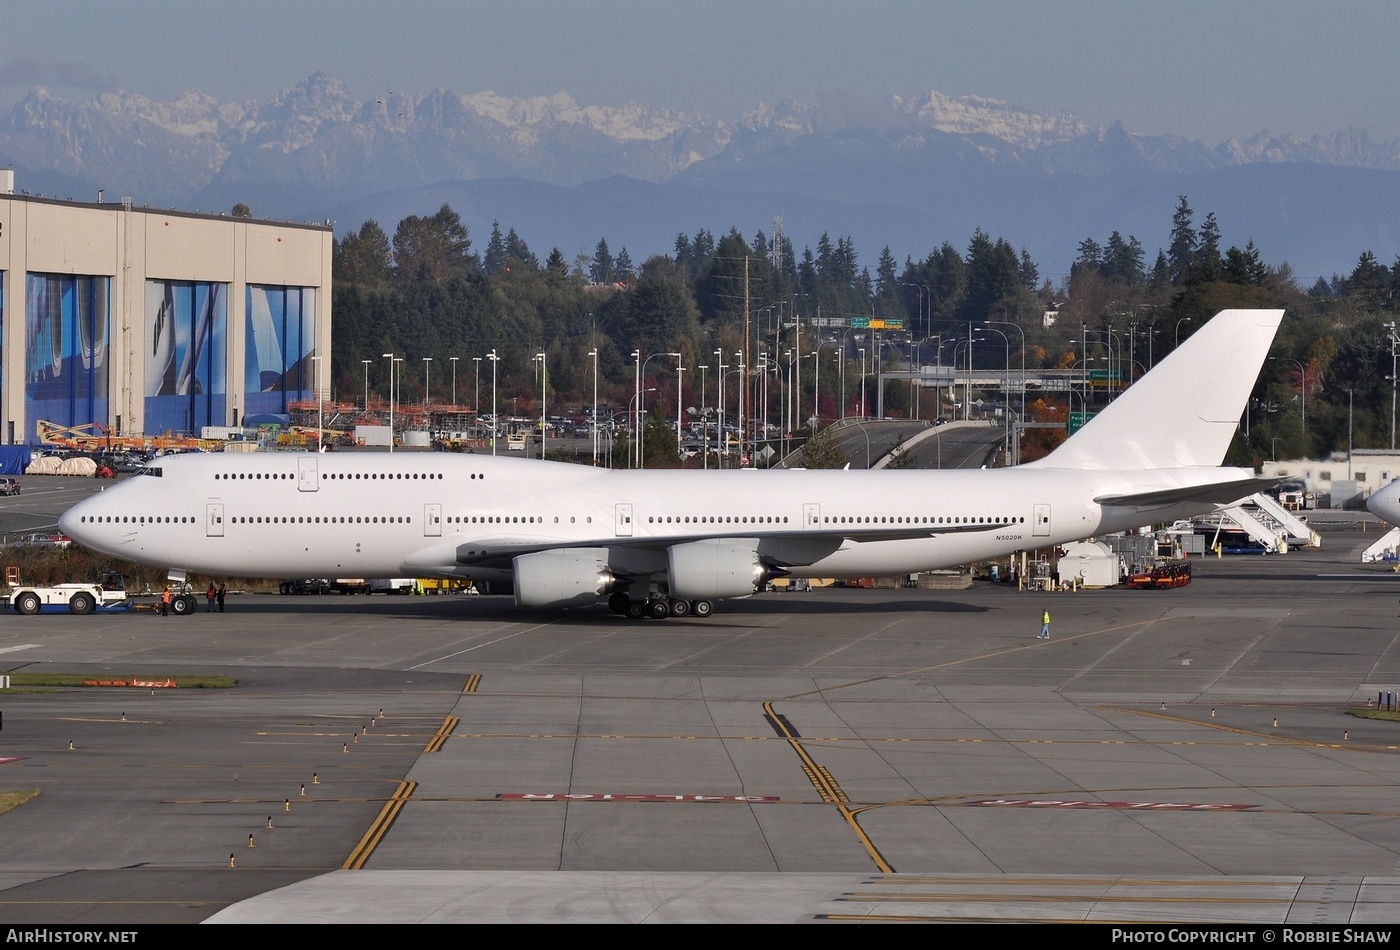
1216	493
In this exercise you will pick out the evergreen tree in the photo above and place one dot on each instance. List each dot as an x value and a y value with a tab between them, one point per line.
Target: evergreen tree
600	269
1161	271
1030	274
363	256
622	267
1181	252
1369	282
826	254
518	256
1122	260
1208	264
886	283
760	245
684	256
433	249
703	248
1090	255
495	260
807	274
1245	267
556	265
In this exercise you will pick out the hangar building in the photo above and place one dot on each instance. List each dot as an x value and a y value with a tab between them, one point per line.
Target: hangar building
140	322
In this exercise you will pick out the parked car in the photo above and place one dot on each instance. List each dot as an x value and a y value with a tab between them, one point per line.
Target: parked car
45	539
9	486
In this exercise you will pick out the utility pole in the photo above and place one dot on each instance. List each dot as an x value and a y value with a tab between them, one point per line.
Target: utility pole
1390	327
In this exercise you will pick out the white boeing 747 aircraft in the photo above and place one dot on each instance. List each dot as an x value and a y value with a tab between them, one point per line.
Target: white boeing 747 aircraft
670	543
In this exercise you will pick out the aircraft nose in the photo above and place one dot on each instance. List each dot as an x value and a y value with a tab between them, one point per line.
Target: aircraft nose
69	522
1385	504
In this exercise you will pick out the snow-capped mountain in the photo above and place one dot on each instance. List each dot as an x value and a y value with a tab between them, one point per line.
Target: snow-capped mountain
908	172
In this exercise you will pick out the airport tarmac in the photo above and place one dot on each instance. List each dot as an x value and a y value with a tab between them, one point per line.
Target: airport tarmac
843	755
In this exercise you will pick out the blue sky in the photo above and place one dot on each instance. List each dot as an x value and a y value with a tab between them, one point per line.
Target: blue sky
1203	70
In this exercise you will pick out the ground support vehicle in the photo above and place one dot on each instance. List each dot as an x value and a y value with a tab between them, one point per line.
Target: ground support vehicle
393	585
107	595
1162	576
309	585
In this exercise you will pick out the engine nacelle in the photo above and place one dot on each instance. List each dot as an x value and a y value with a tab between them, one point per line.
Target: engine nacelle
712	570
568	577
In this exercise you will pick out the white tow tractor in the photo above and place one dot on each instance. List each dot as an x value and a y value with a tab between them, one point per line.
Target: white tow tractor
107	594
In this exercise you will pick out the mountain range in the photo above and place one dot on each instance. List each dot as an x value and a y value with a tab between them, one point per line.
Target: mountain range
904	173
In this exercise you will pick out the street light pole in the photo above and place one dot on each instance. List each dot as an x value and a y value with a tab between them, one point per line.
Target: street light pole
861	350
704	420
476	394
1393	341
427	365
641	405
1007	393
495	419
635	447
366	365
680	400
743	385
454	382
723	438
544	395
390	358
594	354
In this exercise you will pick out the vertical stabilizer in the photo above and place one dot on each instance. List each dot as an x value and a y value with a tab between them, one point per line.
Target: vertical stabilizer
1184	412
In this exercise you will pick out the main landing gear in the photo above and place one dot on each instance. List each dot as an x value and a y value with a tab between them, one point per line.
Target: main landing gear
658	607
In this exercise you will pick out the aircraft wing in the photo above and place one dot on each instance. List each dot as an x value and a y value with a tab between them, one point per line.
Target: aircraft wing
1216	493
499	552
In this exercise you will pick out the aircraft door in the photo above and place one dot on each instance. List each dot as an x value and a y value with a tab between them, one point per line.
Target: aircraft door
307	477
811	516
624	521
1041	528
214	520
432	521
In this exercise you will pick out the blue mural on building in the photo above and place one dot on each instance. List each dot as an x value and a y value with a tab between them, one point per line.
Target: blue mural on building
66	366
186	340
280	340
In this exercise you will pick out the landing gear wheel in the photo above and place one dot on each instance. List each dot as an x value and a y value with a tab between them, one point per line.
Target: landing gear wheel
702	608
658	609
636	609
679	608
617	603
81	603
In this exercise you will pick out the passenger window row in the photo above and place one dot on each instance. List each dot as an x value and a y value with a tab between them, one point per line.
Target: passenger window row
716	519
331	519
925	519
326	476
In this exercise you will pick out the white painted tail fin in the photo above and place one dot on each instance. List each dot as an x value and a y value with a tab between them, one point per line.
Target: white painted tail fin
1183	413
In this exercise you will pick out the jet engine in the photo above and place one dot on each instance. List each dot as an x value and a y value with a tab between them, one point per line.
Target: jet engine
715	569
568	577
